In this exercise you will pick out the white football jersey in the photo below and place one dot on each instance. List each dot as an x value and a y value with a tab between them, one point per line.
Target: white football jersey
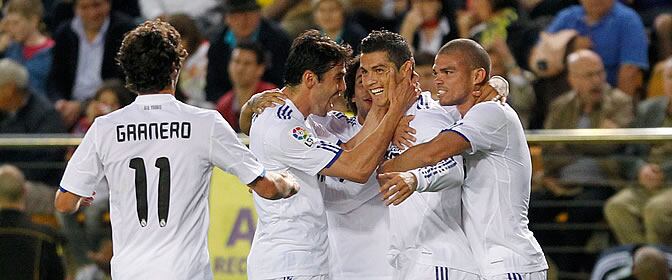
496	191
156	155
358	219
426	227
291	235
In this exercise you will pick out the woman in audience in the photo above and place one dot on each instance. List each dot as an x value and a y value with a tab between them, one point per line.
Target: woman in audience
331	18
428	25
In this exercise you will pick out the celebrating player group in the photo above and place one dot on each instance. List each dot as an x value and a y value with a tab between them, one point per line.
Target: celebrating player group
408	188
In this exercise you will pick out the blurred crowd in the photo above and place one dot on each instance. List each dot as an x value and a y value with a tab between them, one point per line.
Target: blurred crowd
570	64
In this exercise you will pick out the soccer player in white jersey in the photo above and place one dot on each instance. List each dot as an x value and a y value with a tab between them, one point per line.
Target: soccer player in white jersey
157	155
427	240
358	220
496	190
291	236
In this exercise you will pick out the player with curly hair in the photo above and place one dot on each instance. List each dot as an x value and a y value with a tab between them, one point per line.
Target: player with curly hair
156	156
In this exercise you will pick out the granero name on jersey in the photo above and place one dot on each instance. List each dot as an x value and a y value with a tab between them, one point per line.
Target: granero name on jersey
152	131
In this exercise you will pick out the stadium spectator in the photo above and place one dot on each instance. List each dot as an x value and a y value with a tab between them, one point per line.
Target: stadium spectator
111	96
191	86
591	103
244	23
616	33
100	268
428	25
84	56
26	44
29	251
331	16
580	172
246	67
642	213
22	112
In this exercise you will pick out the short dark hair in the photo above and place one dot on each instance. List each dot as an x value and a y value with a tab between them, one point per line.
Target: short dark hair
472	53
116	86
351	83
393	44
314	52
254	47
148	56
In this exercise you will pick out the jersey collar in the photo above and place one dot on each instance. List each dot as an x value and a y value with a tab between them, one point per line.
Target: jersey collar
154	98
289	110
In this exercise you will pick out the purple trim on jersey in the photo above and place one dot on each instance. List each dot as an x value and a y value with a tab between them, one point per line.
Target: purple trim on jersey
63	190
458	133
338	154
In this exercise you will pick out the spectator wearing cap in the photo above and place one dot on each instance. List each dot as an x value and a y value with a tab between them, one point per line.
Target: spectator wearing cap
332	19
243	22
22	112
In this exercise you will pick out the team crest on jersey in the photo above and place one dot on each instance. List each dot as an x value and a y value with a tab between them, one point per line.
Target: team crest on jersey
302	135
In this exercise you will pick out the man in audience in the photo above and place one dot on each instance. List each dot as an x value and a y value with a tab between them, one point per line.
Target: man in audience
29	251
246	68
244	23
634	261
84	55
643	213
22	112
616	33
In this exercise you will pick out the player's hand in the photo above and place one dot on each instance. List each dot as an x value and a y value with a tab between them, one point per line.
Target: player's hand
266	99
286	184
87	201
403	135
397	186
497	89
402	94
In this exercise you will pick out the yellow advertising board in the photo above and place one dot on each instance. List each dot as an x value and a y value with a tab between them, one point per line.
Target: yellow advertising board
232	224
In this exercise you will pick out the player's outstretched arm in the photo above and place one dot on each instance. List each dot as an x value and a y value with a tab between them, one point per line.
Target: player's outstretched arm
443	146
275	186
358	163
67	202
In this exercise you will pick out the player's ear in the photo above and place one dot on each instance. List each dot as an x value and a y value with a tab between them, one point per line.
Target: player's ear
407	68
309	78
479	76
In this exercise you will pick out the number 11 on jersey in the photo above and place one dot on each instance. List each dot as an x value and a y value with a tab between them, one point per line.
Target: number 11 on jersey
163	164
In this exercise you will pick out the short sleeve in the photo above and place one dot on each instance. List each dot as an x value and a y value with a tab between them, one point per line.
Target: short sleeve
483	127
296	147
84	171
229	154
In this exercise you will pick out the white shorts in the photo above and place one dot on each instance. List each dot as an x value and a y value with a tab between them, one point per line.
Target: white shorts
316	277
537	275
418	271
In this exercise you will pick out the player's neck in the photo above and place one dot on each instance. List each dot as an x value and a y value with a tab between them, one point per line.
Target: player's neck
300	97
465	107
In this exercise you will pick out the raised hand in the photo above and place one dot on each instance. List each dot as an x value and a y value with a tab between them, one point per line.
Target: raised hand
266	99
